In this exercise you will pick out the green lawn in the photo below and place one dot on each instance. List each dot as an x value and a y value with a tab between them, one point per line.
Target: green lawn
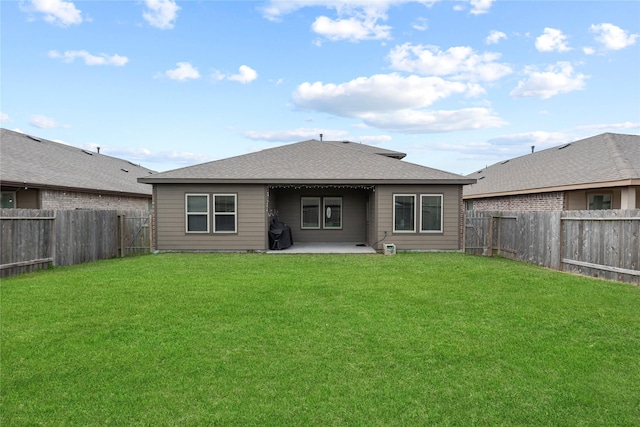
258	339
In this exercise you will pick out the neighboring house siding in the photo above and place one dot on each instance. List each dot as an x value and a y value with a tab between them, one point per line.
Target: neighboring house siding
353	214
54	199
449	239
171	232
522	203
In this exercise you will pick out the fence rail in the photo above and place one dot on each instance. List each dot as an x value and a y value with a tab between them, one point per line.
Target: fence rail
604	243
34	239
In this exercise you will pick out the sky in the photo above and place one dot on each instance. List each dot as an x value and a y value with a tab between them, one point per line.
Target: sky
457	85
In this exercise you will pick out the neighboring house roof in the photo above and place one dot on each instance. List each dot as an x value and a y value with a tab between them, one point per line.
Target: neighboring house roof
311	162
605	160
39	163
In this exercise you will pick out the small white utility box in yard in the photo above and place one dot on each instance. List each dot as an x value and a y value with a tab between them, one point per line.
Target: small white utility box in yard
389	249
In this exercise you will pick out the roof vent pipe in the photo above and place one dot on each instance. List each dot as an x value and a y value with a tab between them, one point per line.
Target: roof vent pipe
320	137
533	147
98	148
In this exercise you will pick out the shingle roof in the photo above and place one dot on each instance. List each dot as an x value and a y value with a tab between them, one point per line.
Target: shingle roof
371	149
37	162
606	158
310	162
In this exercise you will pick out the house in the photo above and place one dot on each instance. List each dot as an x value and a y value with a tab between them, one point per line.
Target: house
329	191
39	174
601	172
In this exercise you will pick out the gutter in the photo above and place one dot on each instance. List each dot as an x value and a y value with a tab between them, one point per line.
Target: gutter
452	181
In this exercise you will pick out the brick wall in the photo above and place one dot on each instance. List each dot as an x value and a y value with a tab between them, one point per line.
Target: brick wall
51	199
522	203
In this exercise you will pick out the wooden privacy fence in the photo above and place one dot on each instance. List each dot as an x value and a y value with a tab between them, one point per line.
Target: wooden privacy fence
599	243
34	239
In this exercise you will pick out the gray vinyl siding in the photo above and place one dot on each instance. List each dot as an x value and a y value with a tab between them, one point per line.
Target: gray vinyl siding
171	233
353	214
447	240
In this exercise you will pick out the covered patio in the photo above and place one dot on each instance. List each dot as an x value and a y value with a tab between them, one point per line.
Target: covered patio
326	248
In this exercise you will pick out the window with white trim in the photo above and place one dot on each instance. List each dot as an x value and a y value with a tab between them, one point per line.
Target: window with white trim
197	213
431	213
404	213
225	218
310	215
332	208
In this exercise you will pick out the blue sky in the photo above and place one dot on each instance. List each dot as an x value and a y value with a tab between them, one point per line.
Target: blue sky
457	85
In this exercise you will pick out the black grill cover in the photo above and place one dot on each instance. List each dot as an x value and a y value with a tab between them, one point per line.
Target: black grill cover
279	235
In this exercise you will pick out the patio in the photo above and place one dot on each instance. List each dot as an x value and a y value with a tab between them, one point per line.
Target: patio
326	248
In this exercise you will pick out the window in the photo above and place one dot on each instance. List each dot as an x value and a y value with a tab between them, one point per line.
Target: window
7	199
332	212
431	213
224	213
310	212
197	208
404	213
599	201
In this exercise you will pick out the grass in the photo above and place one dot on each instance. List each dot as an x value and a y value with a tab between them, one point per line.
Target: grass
255	339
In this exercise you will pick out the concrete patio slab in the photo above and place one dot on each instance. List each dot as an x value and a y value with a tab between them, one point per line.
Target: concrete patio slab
326	248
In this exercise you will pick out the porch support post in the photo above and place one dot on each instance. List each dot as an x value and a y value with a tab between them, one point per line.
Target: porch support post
628	198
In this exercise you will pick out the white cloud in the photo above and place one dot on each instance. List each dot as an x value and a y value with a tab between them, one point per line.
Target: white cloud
461	62
479	7
495	36
539	139
4	118
380	92
556	79
552	40
302	134
145	156
276	9
587	50
502	147
390	101
89	59
354	21
422	121
183	72
245	75
610	126
293	135
351	29
58	12
43	122
421	24
613	37
161	13
374	139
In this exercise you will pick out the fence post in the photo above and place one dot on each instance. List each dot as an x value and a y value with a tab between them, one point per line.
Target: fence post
560	241
499	218
54	240
490	237
121	218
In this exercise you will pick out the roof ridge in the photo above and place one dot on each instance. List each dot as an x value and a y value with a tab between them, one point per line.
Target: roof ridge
372	149
622	163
